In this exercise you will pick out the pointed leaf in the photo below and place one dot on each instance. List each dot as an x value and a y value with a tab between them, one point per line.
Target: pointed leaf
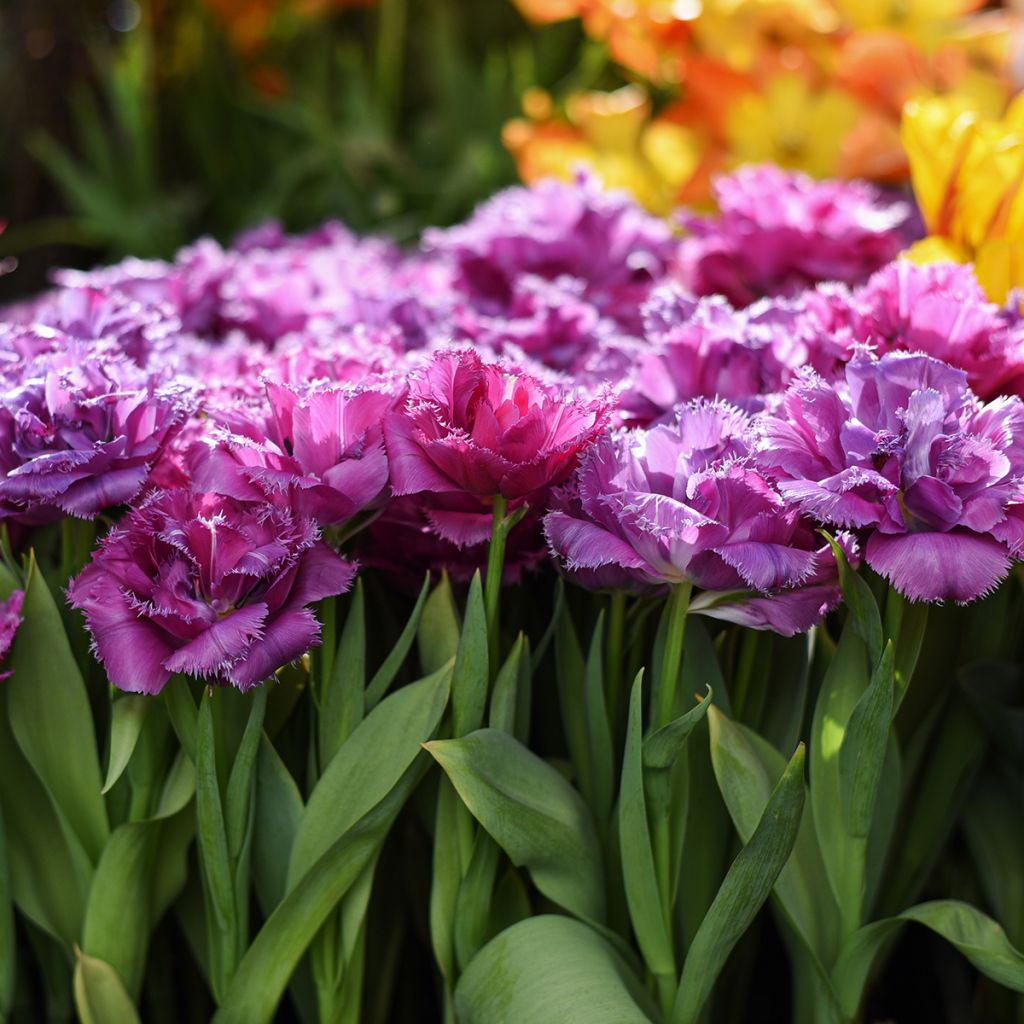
439	630
100	997
470	674
536	817
385	675
127	715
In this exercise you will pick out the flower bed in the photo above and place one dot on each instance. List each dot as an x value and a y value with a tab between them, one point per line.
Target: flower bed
535	626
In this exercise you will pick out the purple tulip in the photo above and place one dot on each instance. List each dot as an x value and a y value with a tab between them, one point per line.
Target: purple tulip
683	502
10	620
904	452
486	429
778	232
207	586
319	448
80	433
559	230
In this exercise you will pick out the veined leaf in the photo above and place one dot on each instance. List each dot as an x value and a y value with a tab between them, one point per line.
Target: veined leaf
550	970
127	715
535	816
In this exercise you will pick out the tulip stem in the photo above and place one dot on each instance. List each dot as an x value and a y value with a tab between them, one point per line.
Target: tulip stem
492	585
672	656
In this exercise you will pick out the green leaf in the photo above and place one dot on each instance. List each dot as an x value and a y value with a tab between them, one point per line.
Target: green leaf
55	731
127	715
661	749
747	885
599	733
278	813
439	630
470	673
475	899
550	970
507	697
861	603
570	675
100	997
263	973
973	933
238	799
369	764
181	710
49	870
652	928
862	753
748	768
844	856
533	814
447	868
341	697
385	675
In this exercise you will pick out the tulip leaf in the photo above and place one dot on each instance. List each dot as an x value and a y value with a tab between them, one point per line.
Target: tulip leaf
508	697
533	814
341	696
368	765
862	753
475	898
860	602
438	634
278	813
100	996
973	933
844	856
747	768
747	885
385	675
570	675
49	871
550	970
56	733
599	733
127	715
448	867
181	710
650	923
264	971
470	672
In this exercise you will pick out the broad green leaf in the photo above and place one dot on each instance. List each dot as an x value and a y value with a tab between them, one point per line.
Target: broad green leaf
747	885
278	813
100	996
385	675
550	970
748	768
127	715
470	676
181	710
270	961
127	895
475	898
438	635
506	696
341	696
56	733
239	794
973	933
368	765
862	753
447	868
844	857
49	870
536	817
652	928
661	749
861	603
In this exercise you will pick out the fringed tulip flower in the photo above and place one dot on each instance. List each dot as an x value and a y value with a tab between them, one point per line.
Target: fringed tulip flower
320	448
486	430
904	453
80	433
682	503
207	586
778	232
10	620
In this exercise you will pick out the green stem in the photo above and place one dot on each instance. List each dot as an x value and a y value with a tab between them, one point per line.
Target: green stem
492	583
672	656
614	648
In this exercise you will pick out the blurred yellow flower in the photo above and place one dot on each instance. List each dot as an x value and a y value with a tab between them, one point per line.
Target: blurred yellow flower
926	22
792	124
968	175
